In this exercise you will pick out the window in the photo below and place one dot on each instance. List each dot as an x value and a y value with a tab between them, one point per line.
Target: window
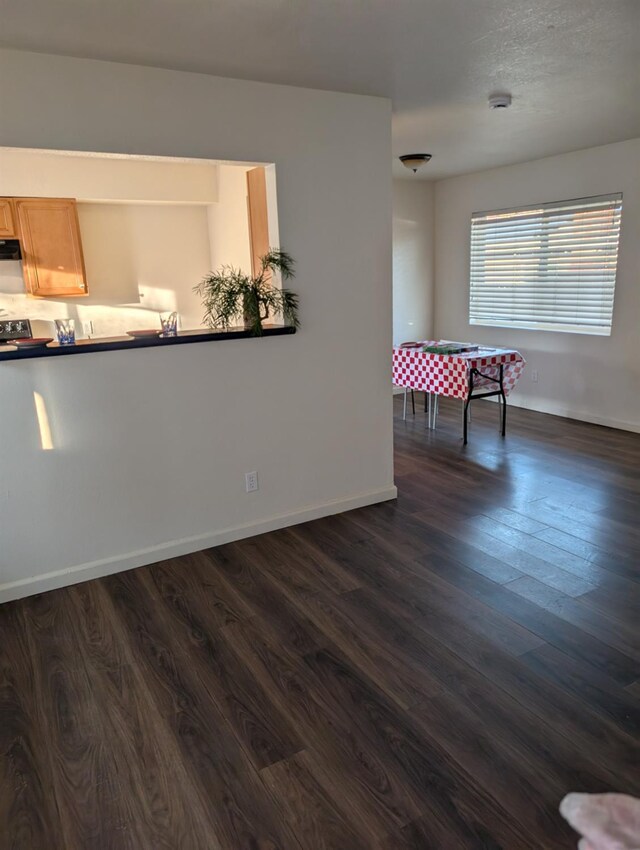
546	267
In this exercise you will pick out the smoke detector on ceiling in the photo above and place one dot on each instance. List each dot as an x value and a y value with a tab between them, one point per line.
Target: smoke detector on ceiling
500	101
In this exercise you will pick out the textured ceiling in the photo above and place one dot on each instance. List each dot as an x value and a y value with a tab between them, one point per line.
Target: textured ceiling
572	66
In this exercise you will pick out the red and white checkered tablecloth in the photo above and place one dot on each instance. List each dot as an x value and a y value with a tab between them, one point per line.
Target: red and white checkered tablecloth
448	374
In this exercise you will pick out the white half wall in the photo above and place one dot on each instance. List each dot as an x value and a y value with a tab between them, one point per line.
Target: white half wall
592	378
150	447
413	277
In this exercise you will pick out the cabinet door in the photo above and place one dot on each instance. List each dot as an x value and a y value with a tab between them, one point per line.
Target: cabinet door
7	219
51	248
258	217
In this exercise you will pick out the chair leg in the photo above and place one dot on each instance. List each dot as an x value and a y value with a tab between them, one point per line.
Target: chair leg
413	403
404	405
435	411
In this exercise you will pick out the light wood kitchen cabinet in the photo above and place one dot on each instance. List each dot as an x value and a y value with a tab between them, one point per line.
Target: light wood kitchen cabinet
258	216
7	219
52	259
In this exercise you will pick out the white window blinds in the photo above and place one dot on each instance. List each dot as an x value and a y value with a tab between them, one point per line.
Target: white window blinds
546	267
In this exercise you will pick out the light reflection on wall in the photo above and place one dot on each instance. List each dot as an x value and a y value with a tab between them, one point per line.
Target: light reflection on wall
46	441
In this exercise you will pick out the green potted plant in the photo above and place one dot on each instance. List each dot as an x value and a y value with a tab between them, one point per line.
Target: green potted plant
229	294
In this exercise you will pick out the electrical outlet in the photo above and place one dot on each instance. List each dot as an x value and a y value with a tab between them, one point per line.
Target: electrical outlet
534	376
251	481
87	328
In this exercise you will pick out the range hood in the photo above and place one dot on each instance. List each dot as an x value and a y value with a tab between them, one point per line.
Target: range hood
10	249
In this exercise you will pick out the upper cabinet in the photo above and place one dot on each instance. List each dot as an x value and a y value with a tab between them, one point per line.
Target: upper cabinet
7	219
49	233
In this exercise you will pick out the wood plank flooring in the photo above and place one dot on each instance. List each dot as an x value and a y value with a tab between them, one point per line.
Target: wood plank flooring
428	674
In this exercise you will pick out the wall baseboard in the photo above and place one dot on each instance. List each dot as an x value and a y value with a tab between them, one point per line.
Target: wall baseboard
175	548
557	409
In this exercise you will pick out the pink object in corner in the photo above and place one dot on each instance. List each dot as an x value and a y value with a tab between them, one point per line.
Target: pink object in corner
606	821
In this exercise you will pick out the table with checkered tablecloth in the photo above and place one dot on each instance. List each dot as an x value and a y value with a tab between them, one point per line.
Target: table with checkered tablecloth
454	375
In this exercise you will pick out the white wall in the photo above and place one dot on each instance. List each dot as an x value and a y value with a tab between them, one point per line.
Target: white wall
98	178
150	447
101	178
272	205
229	221
142	260
413	229
594	378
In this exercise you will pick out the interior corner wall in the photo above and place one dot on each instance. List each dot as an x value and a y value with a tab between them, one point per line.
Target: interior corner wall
591	378
413	260
150	447
229	221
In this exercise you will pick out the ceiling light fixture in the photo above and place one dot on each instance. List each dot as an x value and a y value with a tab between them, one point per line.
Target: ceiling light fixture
500	101
414	161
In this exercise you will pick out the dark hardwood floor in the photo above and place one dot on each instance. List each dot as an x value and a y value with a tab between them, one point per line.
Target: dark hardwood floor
428	674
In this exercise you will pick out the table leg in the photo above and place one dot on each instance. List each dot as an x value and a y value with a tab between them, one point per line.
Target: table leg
504	401
465	409
404	406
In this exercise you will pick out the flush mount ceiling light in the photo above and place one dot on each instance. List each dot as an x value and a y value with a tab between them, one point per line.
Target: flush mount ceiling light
414	161
500	101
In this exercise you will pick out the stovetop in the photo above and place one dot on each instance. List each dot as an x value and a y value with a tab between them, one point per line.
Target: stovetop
14	329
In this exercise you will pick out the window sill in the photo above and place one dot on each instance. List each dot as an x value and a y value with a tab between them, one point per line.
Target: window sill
124	343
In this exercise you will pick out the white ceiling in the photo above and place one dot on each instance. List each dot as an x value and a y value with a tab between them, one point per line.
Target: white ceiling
572	66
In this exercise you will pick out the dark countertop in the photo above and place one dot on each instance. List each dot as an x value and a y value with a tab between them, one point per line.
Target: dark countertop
120	343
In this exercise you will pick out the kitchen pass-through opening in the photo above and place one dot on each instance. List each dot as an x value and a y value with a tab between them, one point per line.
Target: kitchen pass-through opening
113	241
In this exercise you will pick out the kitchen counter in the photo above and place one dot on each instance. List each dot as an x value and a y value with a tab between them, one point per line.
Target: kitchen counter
120	343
